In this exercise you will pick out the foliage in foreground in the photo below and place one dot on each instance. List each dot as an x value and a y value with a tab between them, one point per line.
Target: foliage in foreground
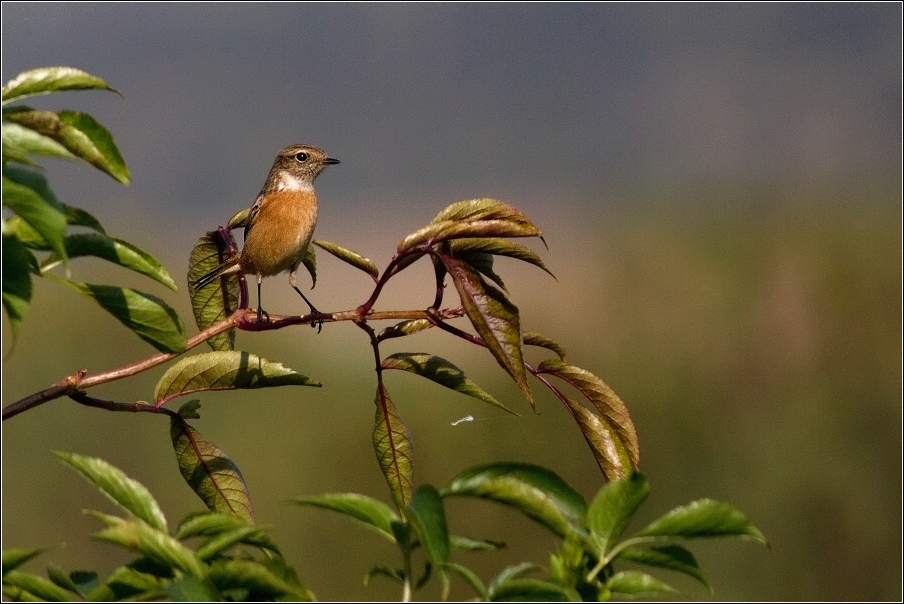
235	560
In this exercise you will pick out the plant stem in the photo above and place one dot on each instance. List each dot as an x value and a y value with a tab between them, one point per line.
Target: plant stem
243	319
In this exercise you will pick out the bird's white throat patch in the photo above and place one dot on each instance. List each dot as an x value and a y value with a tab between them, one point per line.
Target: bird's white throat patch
289	182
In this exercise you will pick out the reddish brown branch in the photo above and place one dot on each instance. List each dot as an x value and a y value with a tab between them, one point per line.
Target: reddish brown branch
89	401
244	319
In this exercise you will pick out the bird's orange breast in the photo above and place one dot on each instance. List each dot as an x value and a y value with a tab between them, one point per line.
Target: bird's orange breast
280	233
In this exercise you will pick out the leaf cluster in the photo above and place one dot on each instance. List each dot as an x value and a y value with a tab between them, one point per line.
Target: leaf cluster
210	556
37	223
583	568
216	556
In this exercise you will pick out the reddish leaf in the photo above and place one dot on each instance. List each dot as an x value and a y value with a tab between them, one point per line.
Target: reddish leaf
494	317
392	444
349	256
224	370
479	209
440	371
610	453
498	247
209	472
219	298
617	420
532	338
473	218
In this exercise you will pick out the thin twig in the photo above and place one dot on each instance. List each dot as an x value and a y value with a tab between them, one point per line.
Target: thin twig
89	401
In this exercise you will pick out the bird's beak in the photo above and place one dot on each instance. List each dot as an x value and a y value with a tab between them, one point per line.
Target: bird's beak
330	160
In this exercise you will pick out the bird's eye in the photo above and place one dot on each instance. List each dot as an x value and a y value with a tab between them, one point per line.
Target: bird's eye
301	156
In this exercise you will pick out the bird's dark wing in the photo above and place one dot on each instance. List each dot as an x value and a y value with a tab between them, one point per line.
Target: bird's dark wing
252	215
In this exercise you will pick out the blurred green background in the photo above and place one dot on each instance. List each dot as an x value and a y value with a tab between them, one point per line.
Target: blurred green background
720	188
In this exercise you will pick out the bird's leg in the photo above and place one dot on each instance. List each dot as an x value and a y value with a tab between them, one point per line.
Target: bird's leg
317	323
260	311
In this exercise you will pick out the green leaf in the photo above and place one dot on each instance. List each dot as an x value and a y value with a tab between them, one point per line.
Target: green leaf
671	557
191	589
635	584
347	255
365	510
20	141
618	422
14	558
189	410
532	338
279	568
45	80
533	590
26	234
39	211
498	247
612	509
473	218
423	235
429	520
403	262
704	518
224	370
535	491
471	579
153	543
444	231
466	544
405	328
152	319
479	209
221	542
512	572
17	263
494	317
219	298
125	492
239	219
209	472
212	524
261	581
34	179
108	519
114	250
85	581
383	570
125	583
442	372
11	152
79	217
79	135
392	444
483	264
37	587
61	579
89	140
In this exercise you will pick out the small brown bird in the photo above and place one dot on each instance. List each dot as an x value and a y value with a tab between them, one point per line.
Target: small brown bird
281	221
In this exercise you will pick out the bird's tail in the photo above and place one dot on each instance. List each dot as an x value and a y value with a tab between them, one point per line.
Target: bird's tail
228	267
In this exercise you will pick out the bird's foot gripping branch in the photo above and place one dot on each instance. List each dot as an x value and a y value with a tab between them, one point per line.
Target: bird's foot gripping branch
461	243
